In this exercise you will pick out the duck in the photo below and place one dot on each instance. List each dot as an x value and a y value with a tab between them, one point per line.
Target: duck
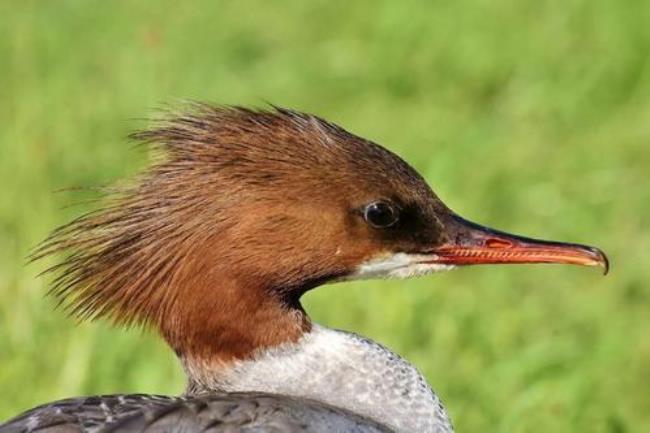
242	211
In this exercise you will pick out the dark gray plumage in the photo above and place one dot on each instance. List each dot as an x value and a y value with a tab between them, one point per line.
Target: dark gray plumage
216	413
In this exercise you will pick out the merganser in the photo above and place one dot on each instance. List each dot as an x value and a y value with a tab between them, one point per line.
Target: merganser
214	245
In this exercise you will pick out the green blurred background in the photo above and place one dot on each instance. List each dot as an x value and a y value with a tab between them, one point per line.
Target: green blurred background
530	116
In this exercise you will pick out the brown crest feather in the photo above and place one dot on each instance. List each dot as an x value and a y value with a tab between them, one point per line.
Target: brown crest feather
182	247
122	259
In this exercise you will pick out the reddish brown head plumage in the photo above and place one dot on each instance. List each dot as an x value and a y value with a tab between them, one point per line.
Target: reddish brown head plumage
248	201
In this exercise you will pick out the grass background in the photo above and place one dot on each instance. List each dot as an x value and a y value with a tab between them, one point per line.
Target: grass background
530	116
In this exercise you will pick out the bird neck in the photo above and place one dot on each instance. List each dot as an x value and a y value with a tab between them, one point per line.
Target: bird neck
335	367
216	317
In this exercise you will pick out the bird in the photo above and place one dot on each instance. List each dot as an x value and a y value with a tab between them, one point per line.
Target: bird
241	212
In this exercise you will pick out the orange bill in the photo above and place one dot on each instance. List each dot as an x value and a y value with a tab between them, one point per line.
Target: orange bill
472	244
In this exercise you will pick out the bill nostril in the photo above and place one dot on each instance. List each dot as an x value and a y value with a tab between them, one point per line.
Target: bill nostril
497	243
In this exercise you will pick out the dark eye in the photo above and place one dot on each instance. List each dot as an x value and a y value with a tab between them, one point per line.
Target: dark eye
380	214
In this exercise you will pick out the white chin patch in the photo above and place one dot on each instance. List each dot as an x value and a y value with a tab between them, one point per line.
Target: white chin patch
399	265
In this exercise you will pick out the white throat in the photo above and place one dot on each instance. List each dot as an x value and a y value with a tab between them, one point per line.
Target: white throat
338	368
398	265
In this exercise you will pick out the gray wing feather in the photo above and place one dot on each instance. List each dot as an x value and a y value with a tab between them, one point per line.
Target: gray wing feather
214	413
84	414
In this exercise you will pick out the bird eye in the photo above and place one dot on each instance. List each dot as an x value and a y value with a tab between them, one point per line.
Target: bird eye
380	214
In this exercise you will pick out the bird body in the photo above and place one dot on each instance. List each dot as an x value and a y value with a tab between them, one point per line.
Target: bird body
213	246
327	368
